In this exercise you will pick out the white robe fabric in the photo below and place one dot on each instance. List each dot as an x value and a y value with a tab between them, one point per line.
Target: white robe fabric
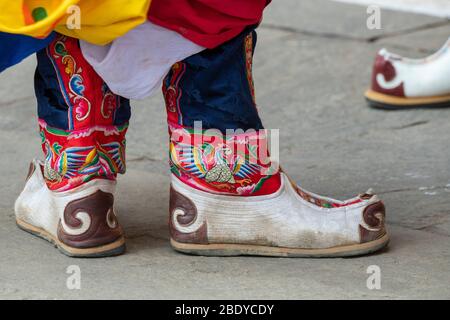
134	65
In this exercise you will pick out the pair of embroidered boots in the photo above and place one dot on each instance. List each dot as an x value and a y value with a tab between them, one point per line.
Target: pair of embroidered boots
227	197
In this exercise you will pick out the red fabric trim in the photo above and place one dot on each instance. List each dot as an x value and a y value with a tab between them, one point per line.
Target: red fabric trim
207	23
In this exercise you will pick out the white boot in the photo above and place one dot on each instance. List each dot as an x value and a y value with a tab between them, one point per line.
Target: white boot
81	222
290	223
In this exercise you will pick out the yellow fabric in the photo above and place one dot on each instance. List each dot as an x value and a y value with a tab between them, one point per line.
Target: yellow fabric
101	20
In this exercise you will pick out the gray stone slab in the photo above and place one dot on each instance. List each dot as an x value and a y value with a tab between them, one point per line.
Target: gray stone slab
414	266
309	87
334	19
338	146
414	45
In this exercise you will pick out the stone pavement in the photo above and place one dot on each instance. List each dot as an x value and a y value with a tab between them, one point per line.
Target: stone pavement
312	66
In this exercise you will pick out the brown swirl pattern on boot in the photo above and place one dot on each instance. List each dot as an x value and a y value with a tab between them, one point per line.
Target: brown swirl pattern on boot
374	218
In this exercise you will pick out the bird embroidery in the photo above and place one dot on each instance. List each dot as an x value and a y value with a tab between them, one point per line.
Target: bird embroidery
216	165
100	159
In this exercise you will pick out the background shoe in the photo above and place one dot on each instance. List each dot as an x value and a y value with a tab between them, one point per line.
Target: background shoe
80	222
399	82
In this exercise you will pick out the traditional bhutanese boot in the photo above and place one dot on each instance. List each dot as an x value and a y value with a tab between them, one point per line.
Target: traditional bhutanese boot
227	197
69	198
399	82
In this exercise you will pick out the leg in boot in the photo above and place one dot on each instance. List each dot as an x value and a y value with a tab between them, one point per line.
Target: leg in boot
227	197
69	198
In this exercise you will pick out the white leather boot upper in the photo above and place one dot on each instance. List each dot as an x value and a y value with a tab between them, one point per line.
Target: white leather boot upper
281	219
43	208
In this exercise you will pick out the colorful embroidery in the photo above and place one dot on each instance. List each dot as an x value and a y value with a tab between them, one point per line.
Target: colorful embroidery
72	80
314	200
237	164
92	146
216	163
172	93
73	158
80	86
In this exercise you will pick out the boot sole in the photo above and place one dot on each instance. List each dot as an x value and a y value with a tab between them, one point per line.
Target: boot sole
383	101
256	250
111	249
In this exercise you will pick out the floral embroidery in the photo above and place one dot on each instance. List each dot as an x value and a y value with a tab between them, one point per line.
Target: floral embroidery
109	102
75	80
80	86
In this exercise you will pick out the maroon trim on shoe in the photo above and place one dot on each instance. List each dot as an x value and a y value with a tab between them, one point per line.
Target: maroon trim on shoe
386	68
104	227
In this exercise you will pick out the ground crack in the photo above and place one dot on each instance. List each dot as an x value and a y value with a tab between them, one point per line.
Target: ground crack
409	30
143	158
446	187
332	35
412	124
